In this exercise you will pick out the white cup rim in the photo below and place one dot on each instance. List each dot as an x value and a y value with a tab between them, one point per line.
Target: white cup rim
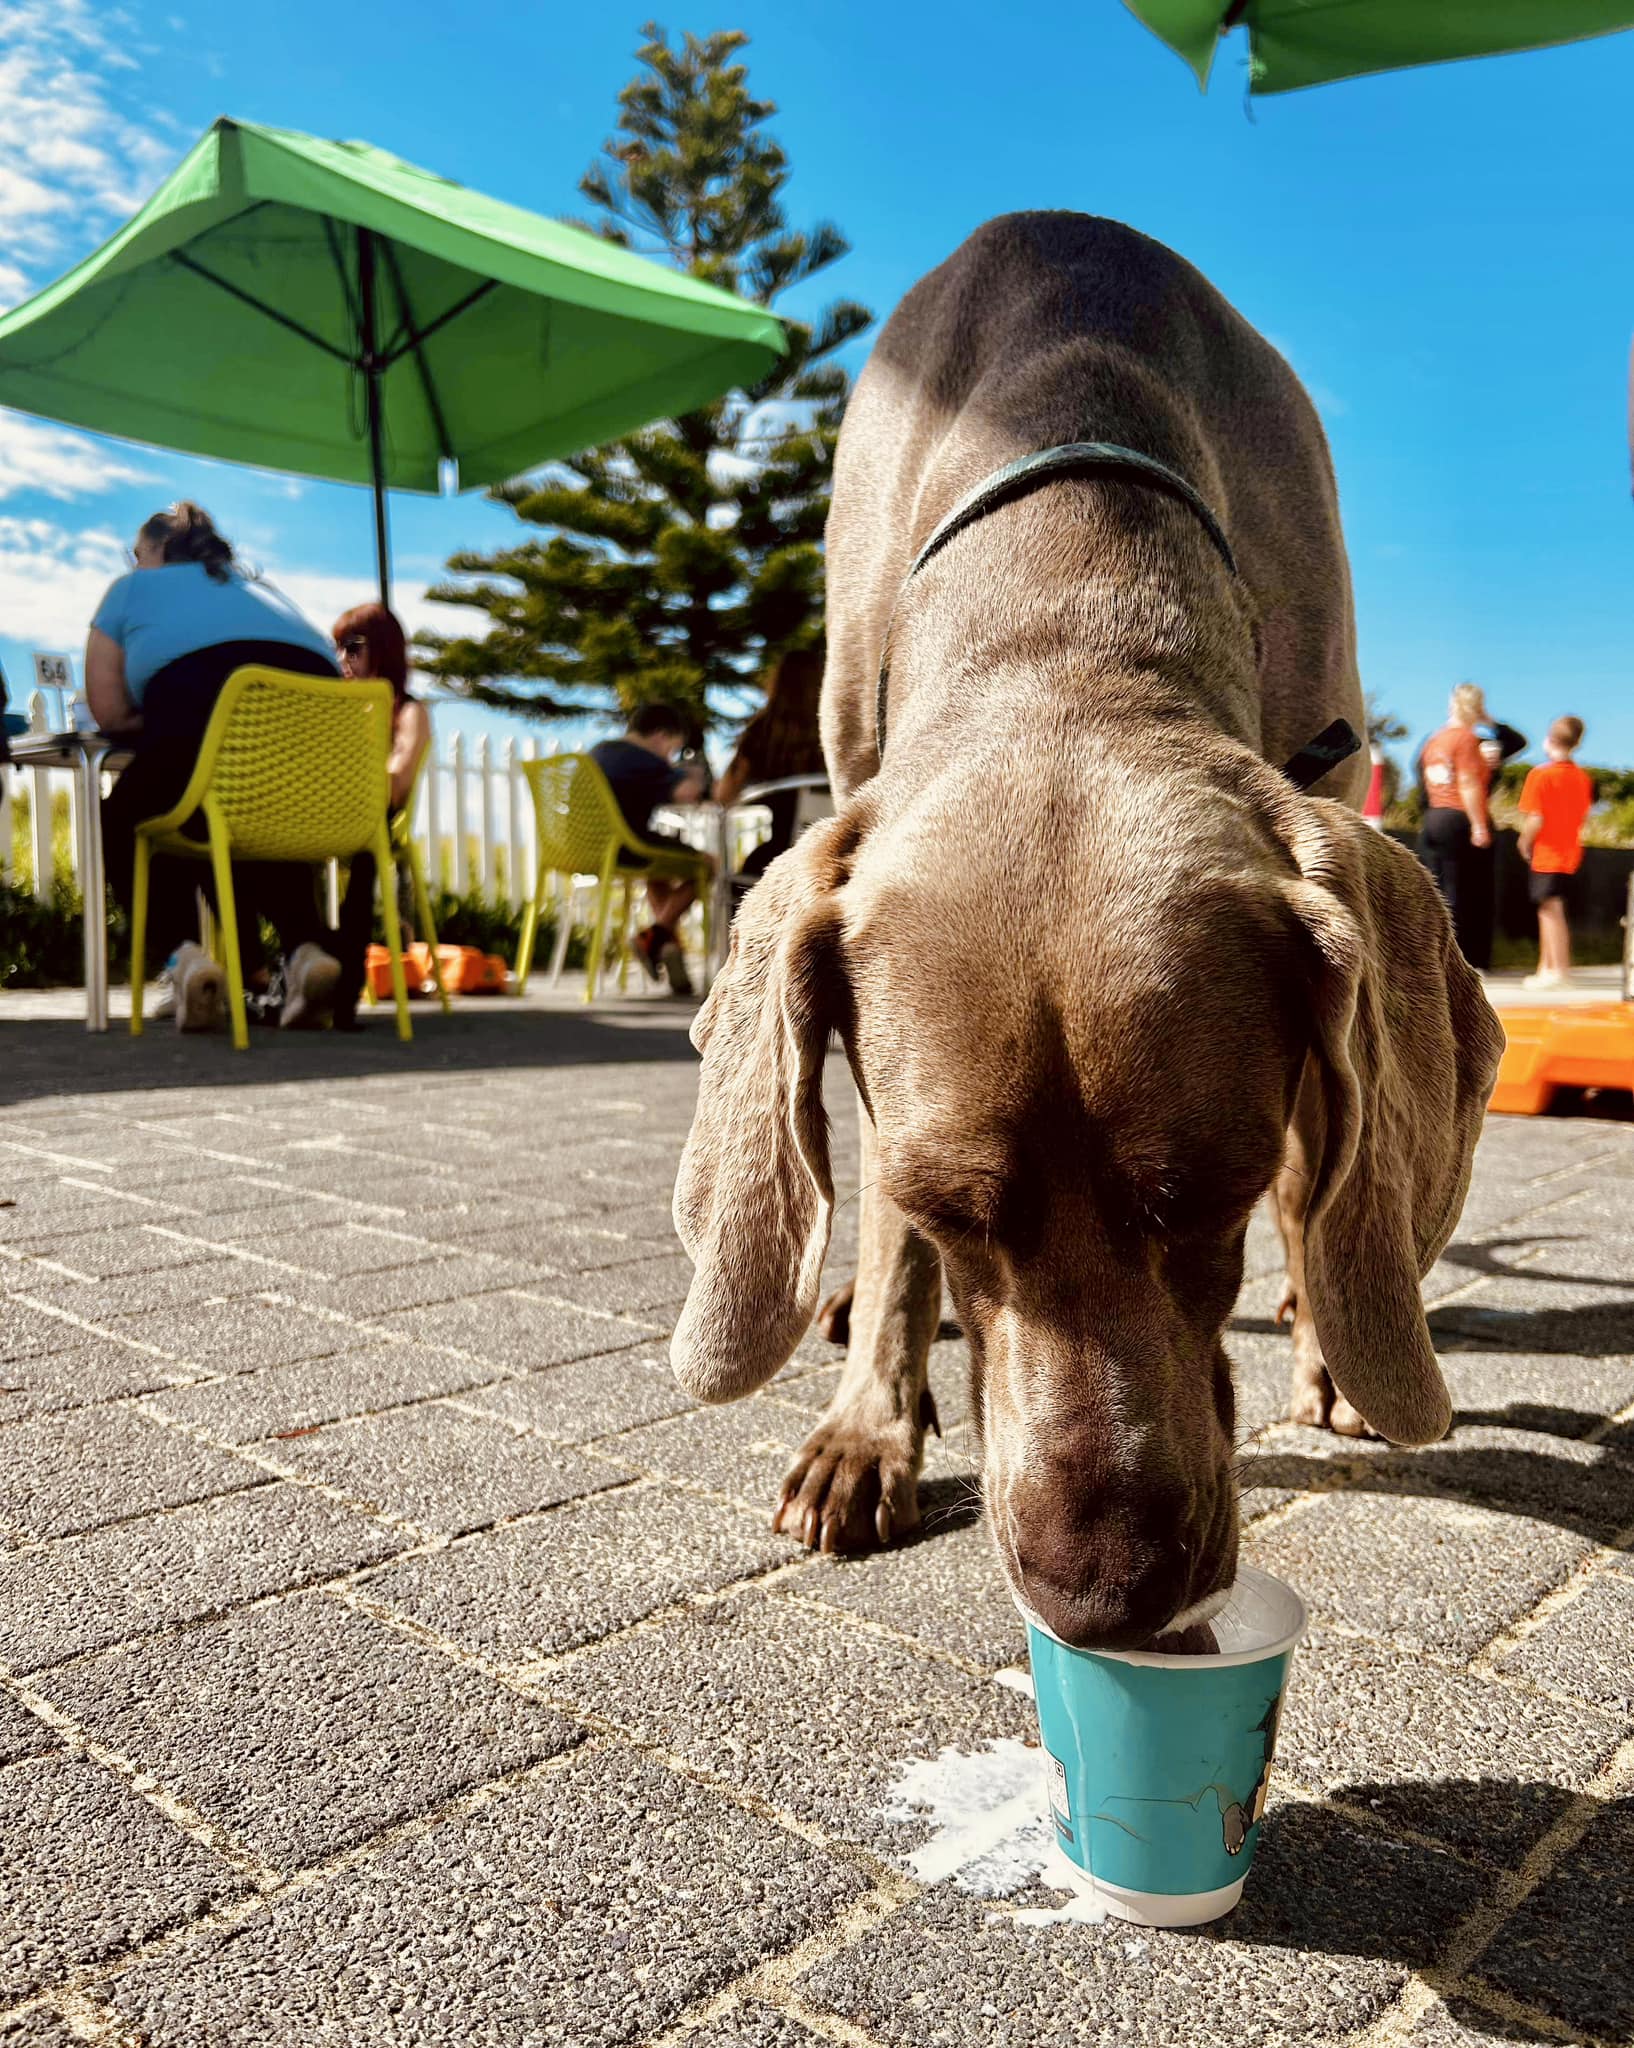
1265	1583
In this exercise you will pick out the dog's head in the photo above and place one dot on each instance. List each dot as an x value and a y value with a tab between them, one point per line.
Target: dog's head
1082	1036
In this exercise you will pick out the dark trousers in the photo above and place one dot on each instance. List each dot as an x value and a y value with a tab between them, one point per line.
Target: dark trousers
176	708
355	932
1464	875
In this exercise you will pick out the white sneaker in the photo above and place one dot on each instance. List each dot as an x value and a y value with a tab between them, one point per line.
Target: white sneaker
197	991
310	975
1546	977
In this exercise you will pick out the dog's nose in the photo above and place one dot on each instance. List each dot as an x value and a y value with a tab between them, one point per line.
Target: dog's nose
1103	1615
1107	1575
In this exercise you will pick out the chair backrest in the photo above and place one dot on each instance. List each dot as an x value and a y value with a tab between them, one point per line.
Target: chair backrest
296	764
575	813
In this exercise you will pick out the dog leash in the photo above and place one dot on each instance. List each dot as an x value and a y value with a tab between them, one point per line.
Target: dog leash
1028	473
1335	743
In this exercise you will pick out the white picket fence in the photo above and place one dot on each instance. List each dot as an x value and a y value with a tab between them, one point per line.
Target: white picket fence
474	819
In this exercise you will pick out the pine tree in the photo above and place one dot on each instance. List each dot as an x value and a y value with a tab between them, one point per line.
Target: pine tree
679	561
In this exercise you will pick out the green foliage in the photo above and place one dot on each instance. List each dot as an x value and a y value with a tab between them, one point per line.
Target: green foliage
42	945
679	560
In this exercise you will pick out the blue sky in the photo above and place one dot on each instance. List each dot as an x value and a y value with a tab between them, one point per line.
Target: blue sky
1446	256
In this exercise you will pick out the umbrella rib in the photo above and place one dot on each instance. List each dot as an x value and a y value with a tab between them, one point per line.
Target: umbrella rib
487	285
433	402
234	291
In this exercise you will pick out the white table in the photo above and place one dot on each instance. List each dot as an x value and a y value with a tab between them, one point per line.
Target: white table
86	755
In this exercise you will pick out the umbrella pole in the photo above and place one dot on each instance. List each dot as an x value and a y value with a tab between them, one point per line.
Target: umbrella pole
373	371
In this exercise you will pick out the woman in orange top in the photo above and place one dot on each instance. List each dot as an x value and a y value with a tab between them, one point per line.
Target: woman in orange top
1457	828
1554	802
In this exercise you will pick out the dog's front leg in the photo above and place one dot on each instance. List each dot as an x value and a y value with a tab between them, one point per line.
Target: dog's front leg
855	1481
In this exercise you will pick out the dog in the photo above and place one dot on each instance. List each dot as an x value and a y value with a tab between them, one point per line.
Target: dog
1103	975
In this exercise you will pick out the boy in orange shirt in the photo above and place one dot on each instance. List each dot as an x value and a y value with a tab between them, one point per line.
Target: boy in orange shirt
1554	802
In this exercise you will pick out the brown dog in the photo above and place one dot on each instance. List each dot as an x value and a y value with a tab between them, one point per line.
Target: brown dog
1102	974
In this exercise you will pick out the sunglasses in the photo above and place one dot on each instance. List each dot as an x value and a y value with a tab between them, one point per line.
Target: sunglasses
357	645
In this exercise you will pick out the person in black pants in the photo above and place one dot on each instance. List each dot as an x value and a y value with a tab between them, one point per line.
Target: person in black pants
370	643
1455	771
164	641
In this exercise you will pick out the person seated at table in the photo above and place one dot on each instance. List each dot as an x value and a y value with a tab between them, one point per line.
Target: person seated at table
780	740
164	640
370	643
642	773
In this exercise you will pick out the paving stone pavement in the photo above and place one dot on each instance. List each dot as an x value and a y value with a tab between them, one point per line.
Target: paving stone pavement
390	1653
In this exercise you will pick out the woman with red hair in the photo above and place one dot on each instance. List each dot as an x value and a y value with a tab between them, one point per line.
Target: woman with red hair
370	643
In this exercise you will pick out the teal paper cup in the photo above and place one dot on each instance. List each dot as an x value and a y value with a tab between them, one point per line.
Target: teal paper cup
1158	1765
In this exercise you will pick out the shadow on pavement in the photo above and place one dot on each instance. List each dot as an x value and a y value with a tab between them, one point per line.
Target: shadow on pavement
41	1058
1596	1329
1324	1884
1481	1258
1573	1495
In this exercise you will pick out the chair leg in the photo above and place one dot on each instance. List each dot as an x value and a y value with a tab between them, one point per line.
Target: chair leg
598	939
530	931
422	910
386	875
139	934
706	908
221	862
624	936
564	930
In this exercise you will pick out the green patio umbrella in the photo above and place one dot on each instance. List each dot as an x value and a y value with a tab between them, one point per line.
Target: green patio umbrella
323	308
1308	42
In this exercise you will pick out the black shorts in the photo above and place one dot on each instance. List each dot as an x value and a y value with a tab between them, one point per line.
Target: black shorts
1544	887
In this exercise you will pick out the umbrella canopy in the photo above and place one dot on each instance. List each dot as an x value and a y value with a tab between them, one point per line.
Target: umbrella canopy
1306	42
324	308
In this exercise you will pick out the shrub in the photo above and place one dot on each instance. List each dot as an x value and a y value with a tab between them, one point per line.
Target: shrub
42	945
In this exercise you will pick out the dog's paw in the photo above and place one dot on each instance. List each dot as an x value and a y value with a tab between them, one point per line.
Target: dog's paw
1344	1420
1315	1401
852	1488
834	1314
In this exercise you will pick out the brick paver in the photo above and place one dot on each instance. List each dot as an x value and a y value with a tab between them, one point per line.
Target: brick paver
390	1653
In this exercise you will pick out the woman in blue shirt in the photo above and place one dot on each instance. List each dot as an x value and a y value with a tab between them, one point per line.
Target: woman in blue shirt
164	641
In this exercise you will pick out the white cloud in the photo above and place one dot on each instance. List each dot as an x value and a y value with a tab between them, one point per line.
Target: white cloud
323	596
51	581
73	163
35	456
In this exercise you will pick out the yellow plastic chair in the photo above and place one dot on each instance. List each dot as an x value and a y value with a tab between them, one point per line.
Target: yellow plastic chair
582	831
407	849
290	768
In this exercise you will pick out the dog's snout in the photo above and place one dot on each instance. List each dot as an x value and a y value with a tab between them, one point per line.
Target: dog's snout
1094	1587
1112	1571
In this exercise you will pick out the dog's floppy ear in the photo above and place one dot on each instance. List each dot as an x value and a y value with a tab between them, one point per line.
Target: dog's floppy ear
754	1197
1406	1049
